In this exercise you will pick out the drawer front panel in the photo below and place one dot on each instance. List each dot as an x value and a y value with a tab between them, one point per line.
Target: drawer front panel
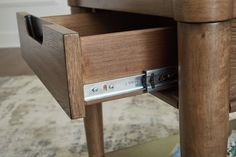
55	62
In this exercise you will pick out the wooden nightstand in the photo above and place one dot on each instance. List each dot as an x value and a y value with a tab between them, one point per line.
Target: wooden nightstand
106	50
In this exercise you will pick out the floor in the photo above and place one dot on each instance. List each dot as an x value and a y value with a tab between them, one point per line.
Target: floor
12	64
33	124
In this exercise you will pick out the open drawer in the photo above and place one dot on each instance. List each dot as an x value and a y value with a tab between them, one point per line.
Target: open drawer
71	52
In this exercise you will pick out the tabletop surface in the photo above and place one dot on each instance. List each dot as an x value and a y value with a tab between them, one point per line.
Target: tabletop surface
151	7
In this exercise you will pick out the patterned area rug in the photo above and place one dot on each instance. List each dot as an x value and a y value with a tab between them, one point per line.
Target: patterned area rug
33	124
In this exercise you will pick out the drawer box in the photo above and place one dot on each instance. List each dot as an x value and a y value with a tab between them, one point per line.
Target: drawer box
70	51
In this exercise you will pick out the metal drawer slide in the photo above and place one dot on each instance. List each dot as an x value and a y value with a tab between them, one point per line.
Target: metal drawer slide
150	81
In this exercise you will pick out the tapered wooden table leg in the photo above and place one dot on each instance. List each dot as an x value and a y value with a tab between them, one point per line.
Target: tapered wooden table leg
204	51
94	130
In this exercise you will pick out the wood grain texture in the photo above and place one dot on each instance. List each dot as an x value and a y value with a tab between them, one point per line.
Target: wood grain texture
151	7
107	56
49	63
94	130
233	67
73	58
88	24
67	21
117	55
234	8
171	96
181	10
203	10
204	82
93	47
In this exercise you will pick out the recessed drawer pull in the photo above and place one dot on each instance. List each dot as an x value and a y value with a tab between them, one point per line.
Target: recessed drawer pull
34	28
